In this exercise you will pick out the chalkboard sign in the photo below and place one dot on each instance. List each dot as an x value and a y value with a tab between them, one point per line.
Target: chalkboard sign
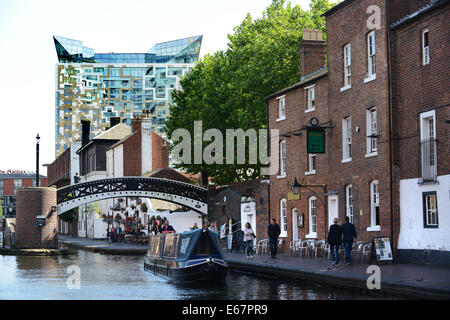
381	249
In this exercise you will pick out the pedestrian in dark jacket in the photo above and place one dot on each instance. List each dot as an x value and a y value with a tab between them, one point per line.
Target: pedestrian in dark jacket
273	231
335	241
349	234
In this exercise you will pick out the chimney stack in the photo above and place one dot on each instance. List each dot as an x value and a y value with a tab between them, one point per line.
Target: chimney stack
135	124
312	51
85	133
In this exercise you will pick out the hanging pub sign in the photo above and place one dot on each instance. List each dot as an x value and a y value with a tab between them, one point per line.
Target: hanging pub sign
381	249
315	138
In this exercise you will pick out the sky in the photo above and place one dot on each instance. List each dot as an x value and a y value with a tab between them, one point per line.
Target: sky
28	56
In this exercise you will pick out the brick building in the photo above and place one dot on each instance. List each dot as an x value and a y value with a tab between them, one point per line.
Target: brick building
10	182
61	173
371	98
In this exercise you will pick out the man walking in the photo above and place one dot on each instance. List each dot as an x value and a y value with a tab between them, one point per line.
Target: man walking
349	233
335	240
273	231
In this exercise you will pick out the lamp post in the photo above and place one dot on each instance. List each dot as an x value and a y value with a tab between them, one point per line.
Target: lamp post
296	187
37	159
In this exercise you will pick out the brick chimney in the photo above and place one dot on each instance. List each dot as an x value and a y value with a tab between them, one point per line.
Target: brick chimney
135	124
312	51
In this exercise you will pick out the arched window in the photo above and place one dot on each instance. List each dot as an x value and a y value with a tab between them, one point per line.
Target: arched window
312	208
349	202
374	204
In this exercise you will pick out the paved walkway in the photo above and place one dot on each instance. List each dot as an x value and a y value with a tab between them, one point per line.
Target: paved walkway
401	279
103	246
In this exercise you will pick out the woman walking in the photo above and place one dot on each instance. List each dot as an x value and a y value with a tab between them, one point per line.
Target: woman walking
249	236
335	241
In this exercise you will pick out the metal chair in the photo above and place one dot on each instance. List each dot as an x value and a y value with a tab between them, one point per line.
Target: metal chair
366	251
318	246
302	248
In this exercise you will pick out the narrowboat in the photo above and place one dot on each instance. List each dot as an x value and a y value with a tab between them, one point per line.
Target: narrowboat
191	256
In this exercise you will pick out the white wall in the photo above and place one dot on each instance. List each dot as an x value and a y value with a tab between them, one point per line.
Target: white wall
248	214
181	221
146	147
412	233
74	160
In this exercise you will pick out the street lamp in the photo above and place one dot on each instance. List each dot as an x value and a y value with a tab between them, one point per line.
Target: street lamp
296	187
37	159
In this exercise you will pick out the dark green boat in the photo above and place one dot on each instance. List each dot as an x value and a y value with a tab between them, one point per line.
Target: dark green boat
186	257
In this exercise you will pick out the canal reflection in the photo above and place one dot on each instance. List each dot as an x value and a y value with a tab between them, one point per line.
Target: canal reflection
110	277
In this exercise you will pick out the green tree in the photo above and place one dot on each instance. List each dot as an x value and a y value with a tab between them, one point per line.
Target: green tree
226	90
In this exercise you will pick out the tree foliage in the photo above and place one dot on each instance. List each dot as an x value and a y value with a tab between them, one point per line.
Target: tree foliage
226	90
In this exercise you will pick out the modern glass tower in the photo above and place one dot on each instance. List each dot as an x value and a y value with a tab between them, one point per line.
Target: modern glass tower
100	86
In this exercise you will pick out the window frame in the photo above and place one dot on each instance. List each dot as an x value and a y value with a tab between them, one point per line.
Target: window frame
310	103
349	207
312	162
347	139
426	225
374	203
281	102
347	65
370	150
425	49
371	56
312	233
283	218
283	159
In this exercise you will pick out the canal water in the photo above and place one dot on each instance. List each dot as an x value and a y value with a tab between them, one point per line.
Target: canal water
113	277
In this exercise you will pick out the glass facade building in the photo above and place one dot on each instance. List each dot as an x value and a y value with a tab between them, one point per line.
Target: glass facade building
97	86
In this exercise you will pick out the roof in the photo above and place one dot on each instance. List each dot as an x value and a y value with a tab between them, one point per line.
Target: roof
434	4
115	133
336	7
307	79
169	173
121	141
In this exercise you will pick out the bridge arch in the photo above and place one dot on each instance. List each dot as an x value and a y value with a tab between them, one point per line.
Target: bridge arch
188	195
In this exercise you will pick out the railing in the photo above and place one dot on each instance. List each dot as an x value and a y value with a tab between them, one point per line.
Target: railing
429	161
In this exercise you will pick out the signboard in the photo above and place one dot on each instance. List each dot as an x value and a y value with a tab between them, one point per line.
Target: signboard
381	248
40	221
315	140
292	196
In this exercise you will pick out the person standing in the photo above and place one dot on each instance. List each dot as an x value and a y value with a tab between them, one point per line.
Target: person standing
249	237
273	231
349	232
167	228
335	241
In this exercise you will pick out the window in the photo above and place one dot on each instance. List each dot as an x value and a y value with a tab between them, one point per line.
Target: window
371	71
428	147
347	139
283	218
430	210
1	187
349	202
425	47
17	185
347	66
374	204
281	108
311	164
371	131
313	217
283	158
311	101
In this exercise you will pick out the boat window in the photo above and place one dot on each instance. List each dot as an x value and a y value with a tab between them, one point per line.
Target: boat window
184	245
170	246
155	246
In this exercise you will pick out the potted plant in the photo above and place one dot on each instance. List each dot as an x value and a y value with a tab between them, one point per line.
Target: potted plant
144	207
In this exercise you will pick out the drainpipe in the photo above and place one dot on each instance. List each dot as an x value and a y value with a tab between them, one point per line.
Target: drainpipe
391	156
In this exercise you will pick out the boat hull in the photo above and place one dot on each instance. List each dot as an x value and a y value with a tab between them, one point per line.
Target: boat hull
210	271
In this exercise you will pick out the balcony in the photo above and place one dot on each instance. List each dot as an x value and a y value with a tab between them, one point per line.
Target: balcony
429	161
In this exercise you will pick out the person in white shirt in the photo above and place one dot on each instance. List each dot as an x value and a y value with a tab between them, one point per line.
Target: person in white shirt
249	236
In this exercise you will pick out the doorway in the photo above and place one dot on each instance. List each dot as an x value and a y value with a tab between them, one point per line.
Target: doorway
332	209
294	224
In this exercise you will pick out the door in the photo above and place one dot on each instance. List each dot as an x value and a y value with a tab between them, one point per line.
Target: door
294	224
332	209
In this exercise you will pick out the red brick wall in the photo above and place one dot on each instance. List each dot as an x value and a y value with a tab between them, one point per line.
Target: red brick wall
32	202
58	172
160	154
312	56
297	158
132	164
349	26
418	88
8	187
